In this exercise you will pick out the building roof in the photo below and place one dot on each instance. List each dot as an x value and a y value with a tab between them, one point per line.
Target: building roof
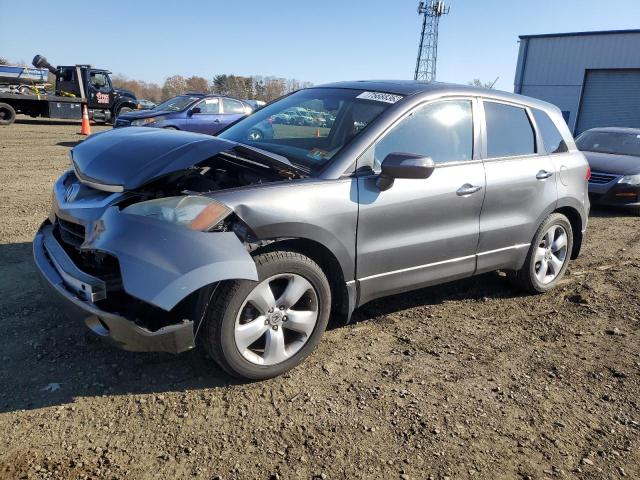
580	34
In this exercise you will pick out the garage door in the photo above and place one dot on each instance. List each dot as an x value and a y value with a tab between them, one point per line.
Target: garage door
610	98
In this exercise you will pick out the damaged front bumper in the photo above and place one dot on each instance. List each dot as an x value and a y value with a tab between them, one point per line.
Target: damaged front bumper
159	265
78	291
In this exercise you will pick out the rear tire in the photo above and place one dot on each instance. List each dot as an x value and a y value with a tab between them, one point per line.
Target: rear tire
7	114
287	329
548	256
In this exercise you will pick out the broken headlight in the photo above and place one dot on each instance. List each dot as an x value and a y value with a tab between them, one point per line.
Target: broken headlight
197	213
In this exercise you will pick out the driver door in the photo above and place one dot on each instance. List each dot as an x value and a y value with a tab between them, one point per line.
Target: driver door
99	91
421	231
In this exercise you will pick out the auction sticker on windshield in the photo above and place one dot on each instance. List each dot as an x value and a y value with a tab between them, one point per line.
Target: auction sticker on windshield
380	97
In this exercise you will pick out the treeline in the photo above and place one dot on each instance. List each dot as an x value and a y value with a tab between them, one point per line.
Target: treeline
254	87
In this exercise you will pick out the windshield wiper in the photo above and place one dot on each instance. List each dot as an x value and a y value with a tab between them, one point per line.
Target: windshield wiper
273	159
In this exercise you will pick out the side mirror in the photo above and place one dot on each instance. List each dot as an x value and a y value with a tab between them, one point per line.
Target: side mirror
403	165
194	110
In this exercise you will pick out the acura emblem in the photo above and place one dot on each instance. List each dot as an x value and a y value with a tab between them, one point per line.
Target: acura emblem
71	192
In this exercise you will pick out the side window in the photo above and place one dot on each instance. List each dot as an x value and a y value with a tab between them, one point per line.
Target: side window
441	130
98	80
210	106
509	131
553	141
232	106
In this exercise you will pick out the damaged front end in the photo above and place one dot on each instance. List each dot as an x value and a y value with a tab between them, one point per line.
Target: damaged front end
136	263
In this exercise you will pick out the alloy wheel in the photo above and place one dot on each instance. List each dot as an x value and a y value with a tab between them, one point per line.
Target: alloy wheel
551	254
276	319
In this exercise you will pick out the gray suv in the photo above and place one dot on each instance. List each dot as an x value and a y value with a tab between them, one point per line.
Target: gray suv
248	244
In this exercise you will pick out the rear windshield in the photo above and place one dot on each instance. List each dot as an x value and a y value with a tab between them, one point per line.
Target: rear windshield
620	143
310	127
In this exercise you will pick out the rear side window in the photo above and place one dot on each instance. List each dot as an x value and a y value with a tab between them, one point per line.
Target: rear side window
553	141
509	131
232	106
440	130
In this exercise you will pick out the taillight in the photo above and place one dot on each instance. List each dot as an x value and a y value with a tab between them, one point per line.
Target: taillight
588	172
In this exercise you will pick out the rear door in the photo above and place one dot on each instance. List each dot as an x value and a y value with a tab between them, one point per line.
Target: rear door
421	231
207	118
521	185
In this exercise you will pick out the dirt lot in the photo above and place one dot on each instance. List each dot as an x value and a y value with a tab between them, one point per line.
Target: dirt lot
471	379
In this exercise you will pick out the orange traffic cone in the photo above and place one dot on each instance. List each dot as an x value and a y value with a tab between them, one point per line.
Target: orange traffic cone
86	128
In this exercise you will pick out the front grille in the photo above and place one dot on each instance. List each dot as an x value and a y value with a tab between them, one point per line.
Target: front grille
71	233
601	178
98	264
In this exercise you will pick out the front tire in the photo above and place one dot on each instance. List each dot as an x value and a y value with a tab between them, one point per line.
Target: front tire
258	330
548	255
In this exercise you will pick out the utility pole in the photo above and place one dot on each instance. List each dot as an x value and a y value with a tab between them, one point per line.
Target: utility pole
431	10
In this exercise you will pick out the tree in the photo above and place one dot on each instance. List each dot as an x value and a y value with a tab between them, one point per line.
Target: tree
233	86
274	88
4	61
173	86
476	82
197	84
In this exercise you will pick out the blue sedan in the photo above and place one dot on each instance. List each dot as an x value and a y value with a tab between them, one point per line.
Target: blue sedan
191	112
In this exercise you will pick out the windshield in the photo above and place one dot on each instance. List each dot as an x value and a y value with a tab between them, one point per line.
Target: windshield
176	104
311	126
620	143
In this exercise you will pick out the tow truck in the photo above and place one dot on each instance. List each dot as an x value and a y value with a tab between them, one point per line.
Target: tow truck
23	90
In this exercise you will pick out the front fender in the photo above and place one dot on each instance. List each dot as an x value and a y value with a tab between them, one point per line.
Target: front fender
323	211
161	263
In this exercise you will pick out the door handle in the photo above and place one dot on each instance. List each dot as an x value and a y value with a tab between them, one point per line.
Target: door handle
543	175
467	189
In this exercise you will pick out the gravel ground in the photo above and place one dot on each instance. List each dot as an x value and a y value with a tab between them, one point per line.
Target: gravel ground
468	380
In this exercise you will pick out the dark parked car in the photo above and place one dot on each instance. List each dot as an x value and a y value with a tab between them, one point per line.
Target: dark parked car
191	112
247	246
613	154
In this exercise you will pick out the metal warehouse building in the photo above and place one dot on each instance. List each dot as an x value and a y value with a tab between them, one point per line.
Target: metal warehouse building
593	77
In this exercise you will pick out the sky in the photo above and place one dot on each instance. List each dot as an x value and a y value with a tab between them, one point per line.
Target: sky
317	41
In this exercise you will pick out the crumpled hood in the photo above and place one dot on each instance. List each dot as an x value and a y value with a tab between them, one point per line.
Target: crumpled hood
131	157
611	163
